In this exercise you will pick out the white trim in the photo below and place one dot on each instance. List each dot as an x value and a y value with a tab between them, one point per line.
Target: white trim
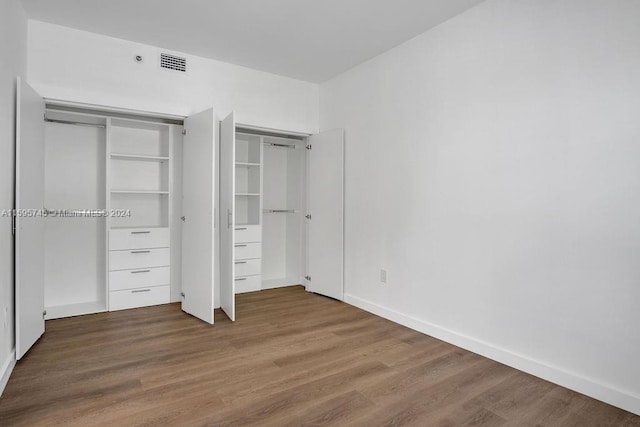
571	380
112	109
6	371
271	130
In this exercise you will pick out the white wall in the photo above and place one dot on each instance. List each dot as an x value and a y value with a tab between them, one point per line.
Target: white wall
13	49
492	166
84	67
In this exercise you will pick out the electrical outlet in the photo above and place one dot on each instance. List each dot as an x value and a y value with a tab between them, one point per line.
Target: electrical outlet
383	275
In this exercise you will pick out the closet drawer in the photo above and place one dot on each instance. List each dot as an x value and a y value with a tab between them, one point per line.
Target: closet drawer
249	267
247	233
136	238
248	284
141	297
248	250
138	258
130	279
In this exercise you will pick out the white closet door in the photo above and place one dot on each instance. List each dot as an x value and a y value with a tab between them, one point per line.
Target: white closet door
30	233
227	213
198	192
325	205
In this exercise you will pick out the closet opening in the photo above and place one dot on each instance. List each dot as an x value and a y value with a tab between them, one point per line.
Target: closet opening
75	236
270	206
281	207
109	200
283	212
103	221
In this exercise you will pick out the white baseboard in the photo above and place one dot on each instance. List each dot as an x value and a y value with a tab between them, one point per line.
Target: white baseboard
7	368
573	381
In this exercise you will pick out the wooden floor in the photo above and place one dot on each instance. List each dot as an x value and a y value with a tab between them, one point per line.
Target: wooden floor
292	358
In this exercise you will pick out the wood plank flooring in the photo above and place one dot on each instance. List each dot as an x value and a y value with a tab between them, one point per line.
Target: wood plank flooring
291	359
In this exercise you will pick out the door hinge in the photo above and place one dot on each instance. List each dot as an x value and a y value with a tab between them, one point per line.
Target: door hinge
308	146
182	294
308	278
184	132
308	216
44	313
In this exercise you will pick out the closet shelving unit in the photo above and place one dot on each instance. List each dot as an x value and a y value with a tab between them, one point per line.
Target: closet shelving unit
248	212
124	167
268	187
248	170
139	183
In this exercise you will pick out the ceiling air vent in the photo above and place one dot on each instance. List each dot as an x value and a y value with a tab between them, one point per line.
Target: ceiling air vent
172	62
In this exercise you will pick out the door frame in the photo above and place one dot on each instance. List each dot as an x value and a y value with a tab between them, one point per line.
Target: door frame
106	109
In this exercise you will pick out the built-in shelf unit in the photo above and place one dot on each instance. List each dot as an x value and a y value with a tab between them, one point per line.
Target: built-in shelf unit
123	168
139	180
248	212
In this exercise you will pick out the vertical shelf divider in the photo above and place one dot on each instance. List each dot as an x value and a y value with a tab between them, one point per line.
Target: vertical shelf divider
261	188
107	195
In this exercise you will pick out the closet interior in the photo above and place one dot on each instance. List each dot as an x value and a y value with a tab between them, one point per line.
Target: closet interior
283	232
269	205
109	200
75	163
269	184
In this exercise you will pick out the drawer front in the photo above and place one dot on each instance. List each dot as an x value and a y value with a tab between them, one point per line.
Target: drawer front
248	233
248	284
138	259
248	250
141	297
136	238
139	278
248	267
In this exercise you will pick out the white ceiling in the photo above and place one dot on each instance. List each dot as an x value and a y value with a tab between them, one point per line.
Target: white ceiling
310	40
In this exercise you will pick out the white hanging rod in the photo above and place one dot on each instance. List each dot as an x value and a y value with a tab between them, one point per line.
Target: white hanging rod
279	211
275	144
67	122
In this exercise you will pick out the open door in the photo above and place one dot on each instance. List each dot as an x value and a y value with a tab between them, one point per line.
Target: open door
325	213
198	195
29	219
227	212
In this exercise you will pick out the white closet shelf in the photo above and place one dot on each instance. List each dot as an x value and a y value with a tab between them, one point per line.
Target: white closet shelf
139	192
130	123
126	156
138	227
78	309
278	283
247	165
